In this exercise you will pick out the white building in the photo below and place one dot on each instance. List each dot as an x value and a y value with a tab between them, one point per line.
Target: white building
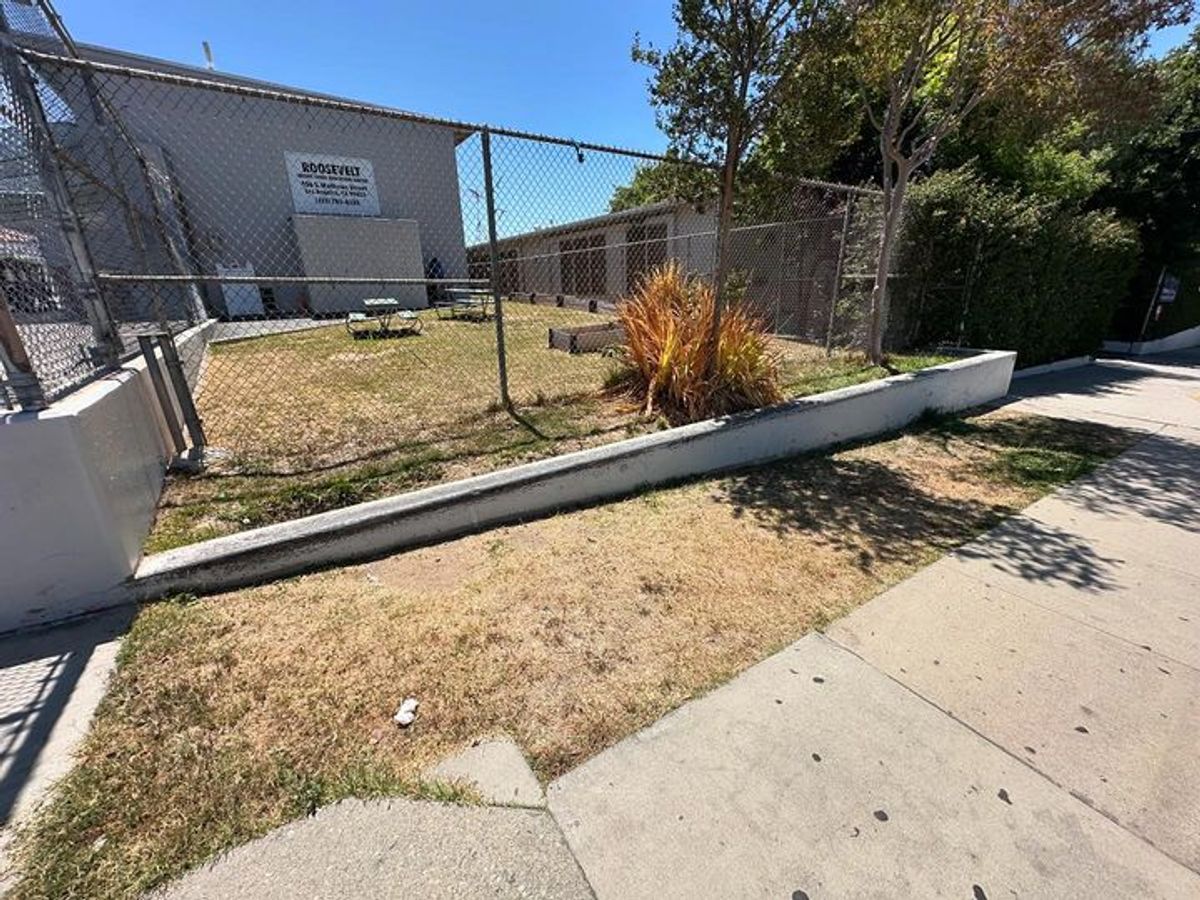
260	179
600	258
788	268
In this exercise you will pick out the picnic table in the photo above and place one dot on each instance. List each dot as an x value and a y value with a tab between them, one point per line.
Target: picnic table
458	301
382	315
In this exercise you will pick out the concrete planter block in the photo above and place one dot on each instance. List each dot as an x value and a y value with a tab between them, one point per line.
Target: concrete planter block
587	338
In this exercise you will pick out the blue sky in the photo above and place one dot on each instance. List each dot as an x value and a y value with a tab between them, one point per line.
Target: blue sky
1168	39
548	66
540	65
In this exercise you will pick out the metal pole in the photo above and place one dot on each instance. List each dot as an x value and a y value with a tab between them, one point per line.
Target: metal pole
146	342
1150	309
20	376
102	110
968	286
183	394
51	175
837	278
494	254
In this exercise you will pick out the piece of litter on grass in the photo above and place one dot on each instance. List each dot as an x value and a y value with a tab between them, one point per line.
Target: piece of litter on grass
407	712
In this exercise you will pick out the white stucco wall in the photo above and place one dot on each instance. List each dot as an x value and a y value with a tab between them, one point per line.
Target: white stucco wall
79	485
1180	340
340	245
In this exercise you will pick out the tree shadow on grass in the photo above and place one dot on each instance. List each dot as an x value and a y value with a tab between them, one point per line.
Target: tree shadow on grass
884	515
874	510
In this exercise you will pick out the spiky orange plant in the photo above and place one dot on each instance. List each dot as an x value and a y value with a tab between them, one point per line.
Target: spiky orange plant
669	362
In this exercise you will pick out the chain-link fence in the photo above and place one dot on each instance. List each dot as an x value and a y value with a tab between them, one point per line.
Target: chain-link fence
346	281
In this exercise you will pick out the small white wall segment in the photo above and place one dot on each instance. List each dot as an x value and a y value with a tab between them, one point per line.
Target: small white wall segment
1180	340
1059	365
347	245
79	485
575	479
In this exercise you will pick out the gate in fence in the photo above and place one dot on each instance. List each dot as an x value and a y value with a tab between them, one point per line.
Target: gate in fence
354	281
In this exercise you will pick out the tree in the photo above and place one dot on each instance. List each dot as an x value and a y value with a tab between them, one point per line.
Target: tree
1156	183
816	116
925	65
654	183
716	89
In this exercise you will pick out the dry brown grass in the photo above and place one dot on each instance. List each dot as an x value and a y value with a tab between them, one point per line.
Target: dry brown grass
316	420
230	715
312	399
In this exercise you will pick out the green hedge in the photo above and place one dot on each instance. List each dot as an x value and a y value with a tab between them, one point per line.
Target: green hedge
985	266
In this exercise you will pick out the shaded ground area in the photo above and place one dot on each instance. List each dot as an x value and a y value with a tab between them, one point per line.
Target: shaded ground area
50	684
232	715
317	420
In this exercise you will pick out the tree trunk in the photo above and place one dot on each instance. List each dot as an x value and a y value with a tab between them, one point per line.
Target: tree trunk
893	212
724	226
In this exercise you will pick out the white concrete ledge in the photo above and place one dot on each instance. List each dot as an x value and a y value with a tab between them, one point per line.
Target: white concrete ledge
80	484
1059	365
573	480
1180	340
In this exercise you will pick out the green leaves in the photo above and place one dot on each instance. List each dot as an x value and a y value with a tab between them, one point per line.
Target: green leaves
993	267
717	88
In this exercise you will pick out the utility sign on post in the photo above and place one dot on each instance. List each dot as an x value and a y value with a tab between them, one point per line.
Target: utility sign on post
332	185
1169	290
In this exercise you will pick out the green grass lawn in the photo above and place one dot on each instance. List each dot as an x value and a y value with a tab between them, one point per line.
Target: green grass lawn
316	420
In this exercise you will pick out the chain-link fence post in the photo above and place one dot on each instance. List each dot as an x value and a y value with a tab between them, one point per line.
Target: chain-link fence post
41	149
837	275
106	116
494	268
20	377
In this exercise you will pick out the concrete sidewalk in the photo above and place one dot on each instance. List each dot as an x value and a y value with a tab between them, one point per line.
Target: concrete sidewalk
1020	718
51	682
397	848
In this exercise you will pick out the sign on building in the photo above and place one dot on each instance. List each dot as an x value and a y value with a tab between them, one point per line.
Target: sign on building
332	185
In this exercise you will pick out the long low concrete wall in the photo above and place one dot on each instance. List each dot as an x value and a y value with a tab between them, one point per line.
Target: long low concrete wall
1059	365
79	485
1180	340
574	480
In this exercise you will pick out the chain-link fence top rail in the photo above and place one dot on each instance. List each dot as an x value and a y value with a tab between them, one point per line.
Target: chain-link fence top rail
307	224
